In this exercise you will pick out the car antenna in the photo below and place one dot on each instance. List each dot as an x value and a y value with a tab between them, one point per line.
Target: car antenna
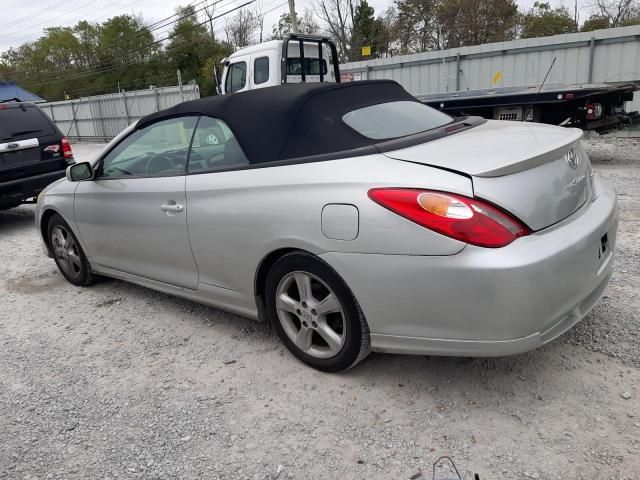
545	77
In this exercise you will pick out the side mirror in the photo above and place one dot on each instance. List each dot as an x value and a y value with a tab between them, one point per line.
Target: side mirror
79	171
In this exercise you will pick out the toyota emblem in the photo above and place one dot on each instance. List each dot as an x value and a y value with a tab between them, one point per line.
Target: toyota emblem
572	158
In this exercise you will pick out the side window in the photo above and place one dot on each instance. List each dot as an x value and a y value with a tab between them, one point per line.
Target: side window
159	149
236	77
260	70
214	147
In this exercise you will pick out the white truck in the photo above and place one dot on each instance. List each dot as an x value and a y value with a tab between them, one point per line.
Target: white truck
294	59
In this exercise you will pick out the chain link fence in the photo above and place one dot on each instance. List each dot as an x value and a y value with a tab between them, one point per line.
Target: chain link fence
102	117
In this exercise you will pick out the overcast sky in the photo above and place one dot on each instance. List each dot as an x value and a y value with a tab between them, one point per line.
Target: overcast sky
25	20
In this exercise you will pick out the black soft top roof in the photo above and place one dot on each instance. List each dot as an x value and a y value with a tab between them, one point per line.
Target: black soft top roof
292	120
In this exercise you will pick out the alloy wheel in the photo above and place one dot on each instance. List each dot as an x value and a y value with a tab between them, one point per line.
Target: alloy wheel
310	314
66	251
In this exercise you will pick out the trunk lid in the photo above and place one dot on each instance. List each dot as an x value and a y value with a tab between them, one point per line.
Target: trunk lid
539	173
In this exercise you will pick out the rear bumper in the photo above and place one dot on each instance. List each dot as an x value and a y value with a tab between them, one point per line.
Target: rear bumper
13	191
487	302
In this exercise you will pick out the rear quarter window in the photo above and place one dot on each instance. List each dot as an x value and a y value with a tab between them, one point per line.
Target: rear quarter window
391	120
19	124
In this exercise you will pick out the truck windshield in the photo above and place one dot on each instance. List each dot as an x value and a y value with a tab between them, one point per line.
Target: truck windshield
394	119
311	66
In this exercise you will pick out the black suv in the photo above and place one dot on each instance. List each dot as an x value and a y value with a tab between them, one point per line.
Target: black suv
33	153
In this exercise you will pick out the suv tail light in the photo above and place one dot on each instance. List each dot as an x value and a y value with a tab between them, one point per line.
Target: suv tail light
466	219
66	149
594	111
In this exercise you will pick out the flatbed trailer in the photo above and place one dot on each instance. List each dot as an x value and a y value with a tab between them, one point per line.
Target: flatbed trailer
598	107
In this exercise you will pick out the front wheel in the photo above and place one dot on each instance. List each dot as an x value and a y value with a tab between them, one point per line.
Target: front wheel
315	314
67	253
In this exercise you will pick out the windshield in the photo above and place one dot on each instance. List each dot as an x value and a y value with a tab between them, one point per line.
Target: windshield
19	124
394	119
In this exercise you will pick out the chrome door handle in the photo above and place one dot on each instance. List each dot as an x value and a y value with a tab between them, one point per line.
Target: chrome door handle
174	207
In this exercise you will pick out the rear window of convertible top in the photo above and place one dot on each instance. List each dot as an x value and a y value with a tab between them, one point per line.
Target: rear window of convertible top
391	120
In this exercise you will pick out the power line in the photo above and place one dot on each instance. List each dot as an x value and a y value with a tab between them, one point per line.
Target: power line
119	67
155	26
103	48
34	14
72	22
104	69
109	69
50	19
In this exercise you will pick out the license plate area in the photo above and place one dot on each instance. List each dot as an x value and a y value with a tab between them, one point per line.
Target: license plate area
19	157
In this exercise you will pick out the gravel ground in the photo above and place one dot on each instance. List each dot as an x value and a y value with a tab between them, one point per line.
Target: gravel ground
117	381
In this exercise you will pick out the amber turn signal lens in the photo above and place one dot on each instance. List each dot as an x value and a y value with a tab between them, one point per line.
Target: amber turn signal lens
444	205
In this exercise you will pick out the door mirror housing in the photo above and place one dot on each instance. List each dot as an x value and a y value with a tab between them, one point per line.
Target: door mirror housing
79	171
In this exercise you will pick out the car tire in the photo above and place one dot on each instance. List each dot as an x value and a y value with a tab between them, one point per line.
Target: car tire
323	327
67	252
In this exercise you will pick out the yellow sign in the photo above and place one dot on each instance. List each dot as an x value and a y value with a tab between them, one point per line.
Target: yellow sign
366	51
497	77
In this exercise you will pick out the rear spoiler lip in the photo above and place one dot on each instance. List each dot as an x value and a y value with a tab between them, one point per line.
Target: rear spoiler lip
535	159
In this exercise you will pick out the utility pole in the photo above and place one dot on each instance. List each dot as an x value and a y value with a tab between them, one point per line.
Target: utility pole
180	85
292	14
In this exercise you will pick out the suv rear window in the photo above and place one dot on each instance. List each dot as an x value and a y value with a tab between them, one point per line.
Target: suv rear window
395	119
18	124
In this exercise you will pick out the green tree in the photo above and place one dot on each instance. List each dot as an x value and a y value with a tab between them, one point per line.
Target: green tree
307	24
206	79
88	35
87	59
474	22
416	24
437	24
594	22
193	51
190	44
125	39
542	21
368	31
364	28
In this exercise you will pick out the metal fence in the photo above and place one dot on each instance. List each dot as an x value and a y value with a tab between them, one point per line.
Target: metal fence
611	55
102	117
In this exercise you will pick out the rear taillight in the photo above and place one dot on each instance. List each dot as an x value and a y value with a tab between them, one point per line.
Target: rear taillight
66	149
466	219
594	111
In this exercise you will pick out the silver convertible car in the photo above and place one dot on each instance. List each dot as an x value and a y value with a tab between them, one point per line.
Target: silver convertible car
351	217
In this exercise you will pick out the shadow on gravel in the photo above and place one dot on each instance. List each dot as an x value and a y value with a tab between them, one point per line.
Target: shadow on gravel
34	283
381	369
16	219
462	372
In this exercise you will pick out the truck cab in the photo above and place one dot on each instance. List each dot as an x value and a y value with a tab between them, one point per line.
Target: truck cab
294	59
